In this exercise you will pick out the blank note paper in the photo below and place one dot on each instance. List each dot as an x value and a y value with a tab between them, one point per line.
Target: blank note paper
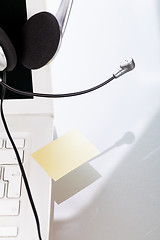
65	154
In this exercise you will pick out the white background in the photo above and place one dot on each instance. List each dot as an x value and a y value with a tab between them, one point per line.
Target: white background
125	202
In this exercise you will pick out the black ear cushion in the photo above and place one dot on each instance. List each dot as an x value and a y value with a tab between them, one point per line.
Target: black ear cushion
40	40
9	50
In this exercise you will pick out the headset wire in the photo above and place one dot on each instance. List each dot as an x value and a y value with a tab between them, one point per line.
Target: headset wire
19	159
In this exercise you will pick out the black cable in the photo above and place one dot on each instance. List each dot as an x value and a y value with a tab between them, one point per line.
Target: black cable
56	95
19	160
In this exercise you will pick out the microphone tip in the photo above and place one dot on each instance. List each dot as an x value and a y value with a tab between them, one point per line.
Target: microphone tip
126	66
128	63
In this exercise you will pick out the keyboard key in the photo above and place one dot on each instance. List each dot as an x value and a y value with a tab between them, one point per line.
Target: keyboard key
1	172
12	174
8	231
1	143
18	141
8	156
9	207
2	189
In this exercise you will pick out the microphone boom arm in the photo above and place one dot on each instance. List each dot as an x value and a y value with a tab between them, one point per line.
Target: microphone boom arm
127	66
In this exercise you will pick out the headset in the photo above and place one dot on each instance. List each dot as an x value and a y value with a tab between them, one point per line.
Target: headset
40	41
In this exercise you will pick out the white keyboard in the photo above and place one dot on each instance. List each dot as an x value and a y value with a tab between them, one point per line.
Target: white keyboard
17	220
10	184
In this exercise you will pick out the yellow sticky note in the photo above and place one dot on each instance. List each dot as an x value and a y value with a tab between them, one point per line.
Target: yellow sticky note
65	154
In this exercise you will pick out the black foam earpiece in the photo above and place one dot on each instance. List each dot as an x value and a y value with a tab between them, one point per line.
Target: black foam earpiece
9	50
39	40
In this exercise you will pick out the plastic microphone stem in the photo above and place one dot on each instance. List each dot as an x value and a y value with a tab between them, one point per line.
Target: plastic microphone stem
56	95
